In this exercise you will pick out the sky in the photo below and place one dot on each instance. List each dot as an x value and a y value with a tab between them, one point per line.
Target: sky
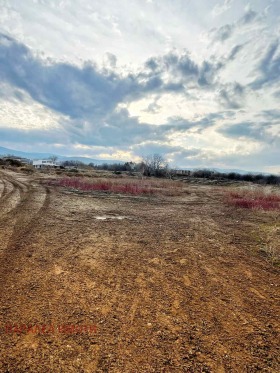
197	81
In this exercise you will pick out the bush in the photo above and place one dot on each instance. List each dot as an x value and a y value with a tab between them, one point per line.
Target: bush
121	185
13	162
104	186
27	169
254	200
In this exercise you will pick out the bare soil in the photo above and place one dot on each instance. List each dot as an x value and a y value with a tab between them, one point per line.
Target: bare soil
173	284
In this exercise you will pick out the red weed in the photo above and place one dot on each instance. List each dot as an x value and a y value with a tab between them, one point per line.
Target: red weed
79	184
254	200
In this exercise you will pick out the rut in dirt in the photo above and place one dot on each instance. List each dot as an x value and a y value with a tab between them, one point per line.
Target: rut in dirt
22	206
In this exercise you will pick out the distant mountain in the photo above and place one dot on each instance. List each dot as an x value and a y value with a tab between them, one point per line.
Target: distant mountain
6	151
226	170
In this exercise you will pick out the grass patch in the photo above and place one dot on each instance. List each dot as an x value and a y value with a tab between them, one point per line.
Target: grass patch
254	199
269	247
271	253
120	186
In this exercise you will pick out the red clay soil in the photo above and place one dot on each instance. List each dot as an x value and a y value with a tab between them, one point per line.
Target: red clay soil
172	284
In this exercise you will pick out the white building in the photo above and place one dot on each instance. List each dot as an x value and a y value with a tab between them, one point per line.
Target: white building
41	163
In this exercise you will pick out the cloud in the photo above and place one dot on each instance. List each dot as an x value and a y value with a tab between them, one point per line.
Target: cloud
38	136
151	147
268	69
154	107
174	71
68	89
222	7
87	97
248	17
241	130
226	31
234	52
92	92
111	60
232	96
126	82
266	159
255	131
273	114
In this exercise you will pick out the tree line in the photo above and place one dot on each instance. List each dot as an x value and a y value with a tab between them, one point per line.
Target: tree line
255	178
156	165
152	165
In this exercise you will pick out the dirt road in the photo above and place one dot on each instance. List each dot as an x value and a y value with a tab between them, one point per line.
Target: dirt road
172	284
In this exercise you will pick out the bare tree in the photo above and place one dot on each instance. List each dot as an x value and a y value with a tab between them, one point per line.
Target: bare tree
53	158
154	165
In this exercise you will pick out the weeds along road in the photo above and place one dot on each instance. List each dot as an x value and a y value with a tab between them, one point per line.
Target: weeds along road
172	284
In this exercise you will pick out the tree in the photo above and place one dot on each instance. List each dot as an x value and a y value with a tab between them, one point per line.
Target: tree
73	163
53	158
155	165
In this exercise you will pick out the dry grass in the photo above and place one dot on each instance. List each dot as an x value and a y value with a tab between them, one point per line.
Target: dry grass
271	247
121	185
271	253
260	199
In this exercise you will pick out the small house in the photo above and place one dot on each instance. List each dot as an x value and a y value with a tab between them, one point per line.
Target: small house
42	163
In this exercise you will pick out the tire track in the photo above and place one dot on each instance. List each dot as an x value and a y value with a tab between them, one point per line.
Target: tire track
12	195
8	192
20	223
3	188
26	224
11	198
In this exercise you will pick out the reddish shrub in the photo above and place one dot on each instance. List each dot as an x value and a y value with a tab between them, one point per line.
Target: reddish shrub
125	188
254	200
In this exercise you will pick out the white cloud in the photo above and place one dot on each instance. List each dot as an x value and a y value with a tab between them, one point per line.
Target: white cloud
20	111
221	7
